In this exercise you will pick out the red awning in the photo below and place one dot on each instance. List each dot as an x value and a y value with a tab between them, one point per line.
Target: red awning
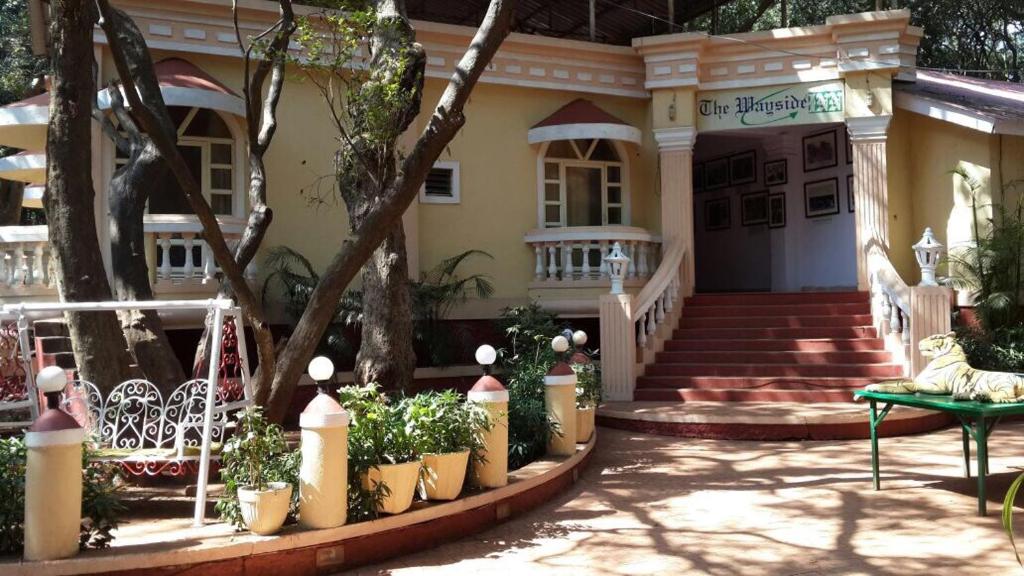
582	118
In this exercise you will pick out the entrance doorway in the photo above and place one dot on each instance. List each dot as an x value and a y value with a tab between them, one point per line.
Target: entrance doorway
773	210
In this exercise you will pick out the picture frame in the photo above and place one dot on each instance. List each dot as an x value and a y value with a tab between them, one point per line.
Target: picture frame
776	172
820	151
716	173
849	192
743	168
821	198
777	210
716	214
698	177
754	208
849	147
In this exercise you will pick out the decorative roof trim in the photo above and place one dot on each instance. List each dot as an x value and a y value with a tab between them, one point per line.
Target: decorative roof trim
610	131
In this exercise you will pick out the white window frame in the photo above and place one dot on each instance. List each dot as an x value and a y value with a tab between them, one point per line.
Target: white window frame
542	180
456	195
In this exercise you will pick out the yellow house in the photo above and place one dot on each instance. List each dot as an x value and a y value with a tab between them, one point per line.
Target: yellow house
791	167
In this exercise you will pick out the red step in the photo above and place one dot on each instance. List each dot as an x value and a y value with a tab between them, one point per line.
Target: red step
778	370
766	298
777	321
777	310
775	345
753	382
727	395
758	357
850	332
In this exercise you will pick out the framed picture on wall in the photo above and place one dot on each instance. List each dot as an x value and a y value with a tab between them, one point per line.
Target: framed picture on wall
820	151
849	192
716	174
821	198
698	177
716	214
775	173
754	208
742	168
849	147
777	210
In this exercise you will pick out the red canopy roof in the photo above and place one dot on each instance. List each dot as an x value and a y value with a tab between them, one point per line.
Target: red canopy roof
579	111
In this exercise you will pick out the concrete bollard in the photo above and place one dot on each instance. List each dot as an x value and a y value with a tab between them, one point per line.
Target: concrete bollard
323	474
560	400
53	476
488	391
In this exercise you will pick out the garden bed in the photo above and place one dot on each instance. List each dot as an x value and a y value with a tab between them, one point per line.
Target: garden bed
162	546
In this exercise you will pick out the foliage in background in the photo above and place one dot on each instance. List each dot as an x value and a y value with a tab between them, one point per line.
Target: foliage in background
101	499
433	296
1001	349
378	434
253	457
444	422
588	383
529	330
1007	515
991	269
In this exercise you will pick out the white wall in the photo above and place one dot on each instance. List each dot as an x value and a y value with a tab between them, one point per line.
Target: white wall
806	254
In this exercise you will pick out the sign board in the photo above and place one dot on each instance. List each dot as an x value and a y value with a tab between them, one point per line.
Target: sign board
805	103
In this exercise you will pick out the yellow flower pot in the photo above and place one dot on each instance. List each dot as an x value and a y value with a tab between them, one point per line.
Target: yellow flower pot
585	423
264	511
443	475
401	480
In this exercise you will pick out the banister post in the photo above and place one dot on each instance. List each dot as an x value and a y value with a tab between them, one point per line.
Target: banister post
618	338
930	304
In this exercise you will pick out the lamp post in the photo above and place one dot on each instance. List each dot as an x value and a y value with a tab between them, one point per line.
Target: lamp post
492	470
617	266
928	252
323	474
53	476
560	401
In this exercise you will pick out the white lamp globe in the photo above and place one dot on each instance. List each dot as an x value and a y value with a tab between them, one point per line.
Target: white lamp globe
486	355
560	344
321	368
579	337
51	379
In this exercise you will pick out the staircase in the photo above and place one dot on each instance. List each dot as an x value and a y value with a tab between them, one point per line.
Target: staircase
781	347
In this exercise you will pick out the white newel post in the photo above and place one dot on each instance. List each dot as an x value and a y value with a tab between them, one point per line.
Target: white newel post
618	341
323	474
871	190
675	155
930	304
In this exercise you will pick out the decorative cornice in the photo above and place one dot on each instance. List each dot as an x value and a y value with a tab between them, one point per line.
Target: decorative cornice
865	129
672	139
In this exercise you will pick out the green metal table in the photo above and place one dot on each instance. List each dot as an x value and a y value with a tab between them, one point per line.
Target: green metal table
977	420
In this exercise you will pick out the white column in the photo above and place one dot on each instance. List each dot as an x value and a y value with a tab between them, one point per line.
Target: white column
675	153
871	190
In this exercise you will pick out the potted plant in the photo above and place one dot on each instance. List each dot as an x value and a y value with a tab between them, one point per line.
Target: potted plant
588	396
259	473
380	448
446	431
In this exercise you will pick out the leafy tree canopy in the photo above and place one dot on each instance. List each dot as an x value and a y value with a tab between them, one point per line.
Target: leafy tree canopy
18	66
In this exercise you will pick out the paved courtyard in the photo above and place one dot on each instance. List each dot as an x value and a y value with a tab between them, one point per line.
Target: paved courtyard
658	505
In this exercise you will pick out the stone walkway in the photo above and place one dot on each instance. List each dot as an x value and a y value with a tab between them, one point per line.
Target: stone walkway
659	505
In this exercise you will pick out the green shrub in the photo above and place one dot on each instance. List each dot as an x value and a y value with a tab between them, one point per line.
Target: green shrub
444	422
101	499
378	434
254	456
588	384
1001	349
529	330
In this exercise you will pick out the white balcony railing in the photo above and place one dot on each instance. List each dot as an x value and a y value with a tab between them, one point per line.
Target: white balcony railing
575	255
25	264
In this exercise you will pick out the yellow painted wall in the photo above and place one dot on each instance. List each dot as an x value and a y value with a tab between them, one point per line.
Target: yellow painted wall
901	200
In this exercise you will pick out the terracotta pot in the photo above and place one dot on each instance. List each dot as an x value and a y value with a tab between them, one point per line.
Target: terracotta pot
264	511
585	423
443	475
401	480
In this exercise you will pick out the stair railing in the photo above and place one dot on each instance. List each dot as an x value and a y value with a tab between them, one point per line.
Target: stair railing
656	301
890	305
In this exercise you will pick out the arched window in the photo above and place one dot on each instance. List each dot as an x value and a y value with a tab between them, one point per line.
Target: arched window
208	146
584	183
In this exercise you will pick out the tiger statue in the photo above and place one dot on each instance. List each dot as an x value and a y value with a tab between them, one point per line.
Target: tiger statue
949	373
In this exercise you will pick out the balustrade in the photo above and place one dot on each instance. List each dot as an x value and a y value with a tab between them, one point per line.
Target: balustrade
181	256
25	260
578	253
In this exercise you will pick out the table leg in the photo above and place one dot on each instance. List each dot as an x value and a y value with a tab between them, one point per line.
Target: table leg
981	435
967	449
873	425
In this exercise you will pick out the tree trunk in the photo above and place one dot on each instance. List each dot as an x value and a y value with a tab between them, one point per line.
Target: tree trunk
11	195
386	355
96	337
143	329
